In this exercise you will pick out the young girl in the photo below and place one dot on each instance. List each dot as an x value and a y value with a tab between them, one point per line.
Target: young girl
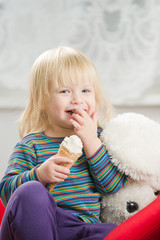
64	99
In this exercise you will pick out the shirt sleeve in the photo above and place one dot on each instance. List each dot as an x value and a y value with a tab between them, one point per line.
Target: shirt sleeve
107	178
21	168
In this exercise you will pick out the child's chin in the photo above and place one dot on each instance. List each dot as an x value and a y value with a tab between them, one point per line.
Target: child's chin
68	125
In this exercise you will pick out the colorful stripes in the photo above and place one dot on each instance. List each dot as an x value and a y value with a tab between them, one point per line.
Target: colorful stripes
81	191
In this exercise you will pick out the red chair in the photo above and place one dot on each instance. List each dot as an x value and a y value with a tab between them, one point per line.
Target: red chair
145	225
2	209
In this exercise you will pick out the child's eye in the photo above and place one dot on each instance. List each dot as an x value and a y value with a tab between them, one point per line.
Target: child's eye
85	90
64	91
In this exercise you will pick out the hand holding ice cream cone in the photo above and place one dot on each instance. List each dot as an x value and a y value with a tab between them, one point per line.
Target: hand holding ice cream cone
71	147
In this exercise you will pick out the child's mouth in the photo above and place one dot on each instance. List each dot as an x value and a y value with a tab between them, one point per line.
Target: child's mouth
70	112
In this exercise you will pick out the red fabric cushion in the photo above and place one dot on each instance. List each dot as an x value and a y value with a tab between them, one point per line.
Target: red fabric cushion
145	225
2	209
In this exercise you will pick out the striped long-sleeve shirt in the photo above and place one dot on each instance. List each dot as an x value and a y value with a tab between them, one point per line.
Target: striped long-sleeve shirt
81	192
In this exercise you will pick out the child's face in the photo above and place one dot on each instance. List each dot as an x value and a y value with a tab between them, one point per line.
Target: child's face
66	99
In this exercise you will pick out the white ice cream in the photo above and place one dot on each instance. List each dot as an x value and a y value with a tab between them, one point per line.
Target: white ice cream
73	144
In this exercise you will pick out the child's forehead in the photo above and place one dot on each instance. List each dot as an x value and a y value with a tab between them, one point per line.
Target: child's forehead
76	84
69	82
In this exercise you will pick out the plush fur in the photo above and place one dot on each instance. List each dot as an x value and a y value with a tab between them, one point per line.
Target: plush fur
133	141
114	207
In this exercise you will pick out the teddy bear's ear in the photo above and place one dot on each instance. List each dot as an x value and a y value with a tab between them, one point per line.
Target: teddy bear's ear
133	141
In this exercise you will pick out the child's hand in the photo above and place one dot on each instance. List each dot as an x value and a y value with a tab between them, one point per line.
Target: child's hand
51	171
85	127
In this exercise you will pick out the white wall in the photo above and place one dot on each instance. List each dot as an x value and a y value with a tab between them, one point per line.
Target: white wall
9	129
113	34
129	68
8	136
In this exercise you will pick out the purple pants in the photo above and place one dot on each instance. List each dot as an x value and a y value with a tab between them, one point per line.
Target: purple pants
32	214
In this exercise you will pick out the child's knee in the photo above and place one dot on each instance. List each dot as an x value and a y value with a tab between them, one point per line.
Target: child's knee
29	189
32	197
30	193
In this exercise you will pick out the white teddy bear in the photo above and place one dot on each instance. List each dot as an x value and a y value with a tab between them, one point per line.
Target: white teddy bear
133	141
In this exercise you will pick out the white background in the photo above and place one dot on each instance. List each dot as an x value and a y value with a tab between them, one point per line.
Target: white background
122	38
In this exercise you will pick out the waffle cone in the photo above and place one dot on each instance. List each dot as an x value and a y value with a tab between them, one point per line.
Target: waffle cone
63	152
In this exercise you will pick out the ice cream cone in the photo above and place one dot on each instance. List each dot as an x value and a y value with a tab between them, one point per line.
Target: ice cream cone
65	152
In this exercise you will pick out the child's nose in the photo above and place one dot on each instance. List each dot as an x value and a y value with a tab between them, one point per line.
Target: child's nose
76	99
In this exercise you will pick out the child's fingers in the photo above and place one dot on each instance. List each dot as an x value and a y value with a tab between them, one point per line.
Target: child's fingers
78	118
62	160
61	175
75	124
81	112
62	170
57	179
94	117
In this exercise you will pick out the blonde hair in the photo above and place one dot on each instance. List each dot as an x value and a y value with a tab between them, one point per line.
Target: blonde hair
51	69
